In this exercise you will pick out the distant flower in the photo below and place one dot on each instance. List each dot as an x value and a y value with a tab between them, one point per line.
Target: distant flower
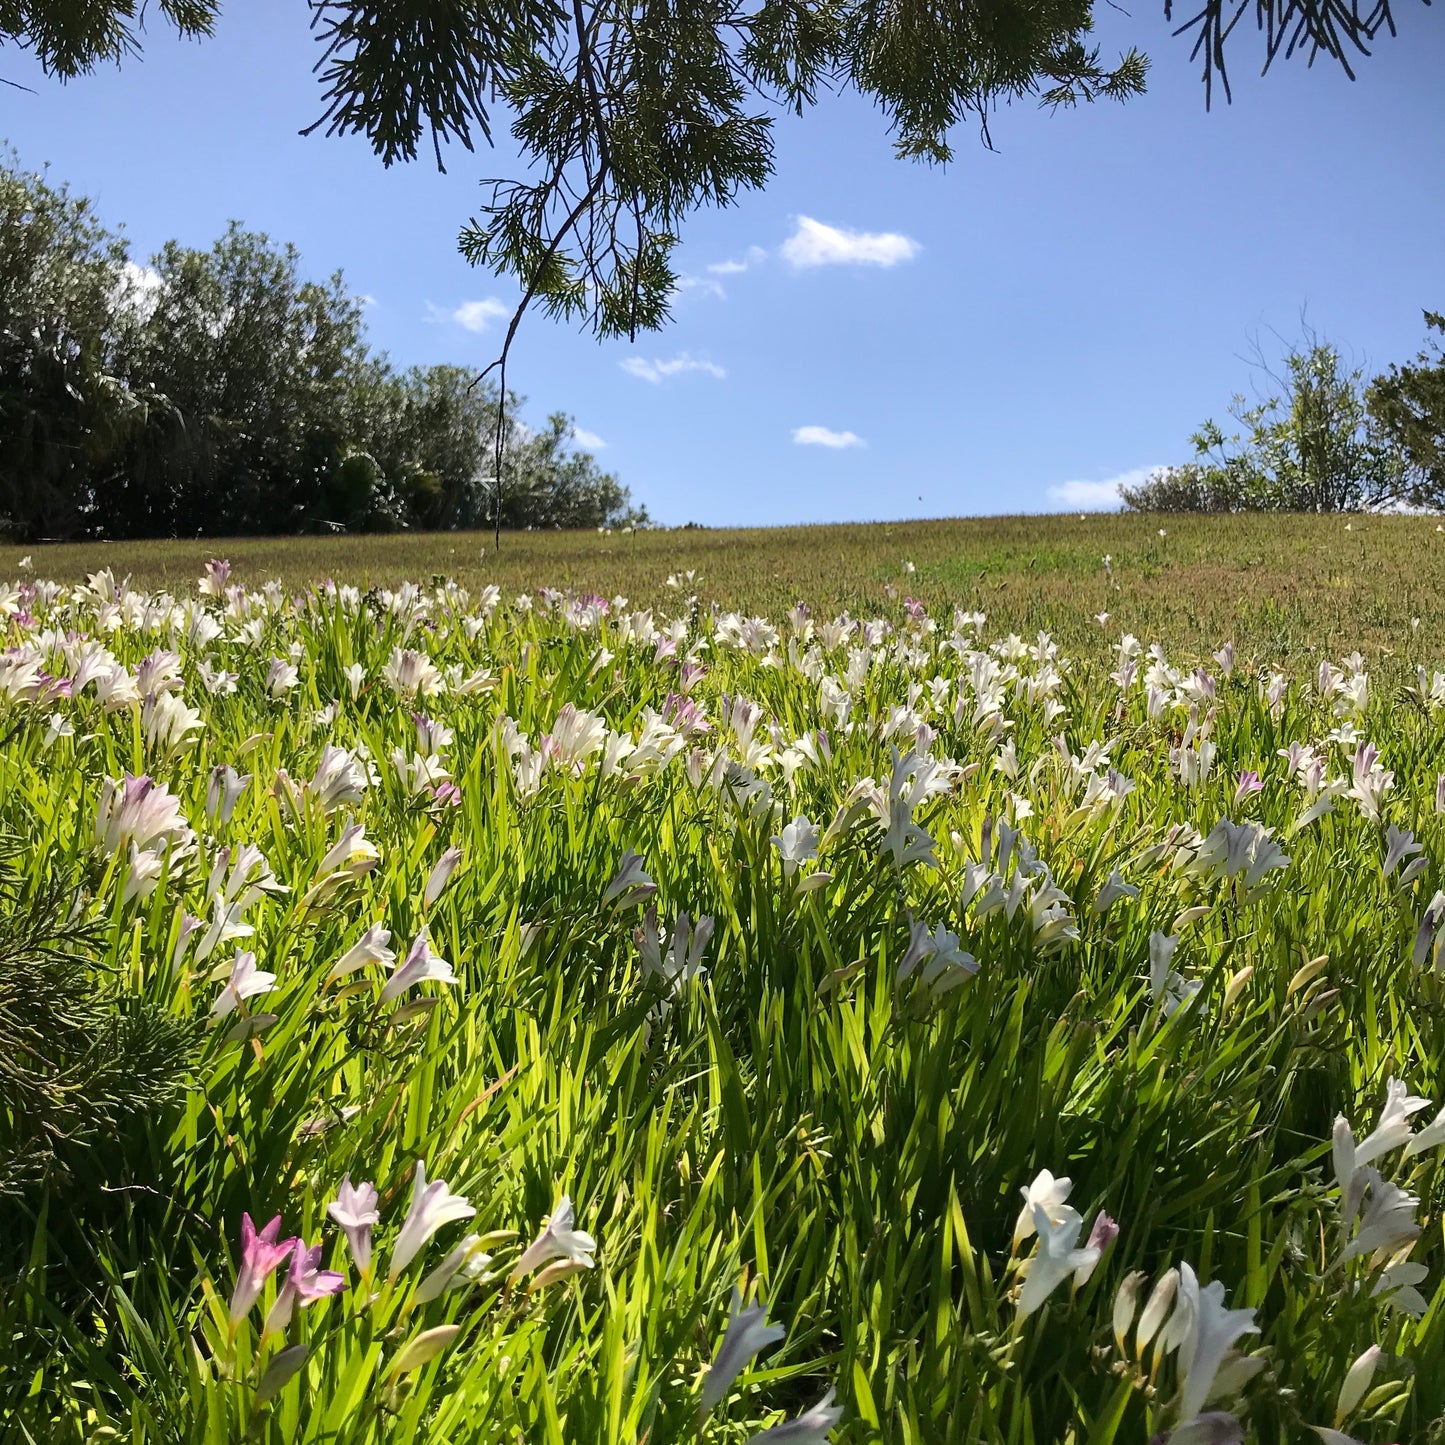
354	1210
440	876
433	1206
1399	846
260	1255
748	1333
371	947
411	674
559	1240
466	1262
812	1427
936	958
224	792
421	966
1248	783
1113	889
353	854
631	885
281	678
140	811
246	981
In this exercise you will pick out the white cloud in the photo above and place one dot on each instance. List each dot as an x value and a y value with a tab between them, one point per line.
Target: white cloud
479	315
656	371
1097	496
753	256
821	436
814	244
140	287
588	439
705	284
367	299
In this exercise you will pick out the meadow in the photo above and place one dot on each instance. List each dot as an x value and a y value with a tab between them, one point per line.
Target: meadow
1286	587
727	987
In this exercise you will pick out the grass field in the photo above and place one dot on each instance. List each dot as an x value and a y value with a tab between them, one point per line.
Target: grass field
475	1012
1284	587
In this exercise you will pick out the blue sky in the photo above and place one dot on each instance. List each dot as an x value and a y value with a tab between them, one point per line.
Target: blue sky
867	338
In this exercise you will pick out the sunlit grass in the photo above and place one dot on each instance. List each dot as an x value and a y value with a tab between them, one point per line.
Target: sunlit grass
831	1102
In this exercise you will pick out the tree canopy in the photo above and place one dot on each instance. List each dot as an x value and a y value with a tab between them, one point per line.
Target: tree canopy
630	114
1327	440
219	392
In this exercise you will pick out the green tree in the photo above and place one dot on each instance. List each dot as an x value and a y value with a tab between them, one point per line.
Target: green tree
1408	403
1311	448
61	404
219	391
264	366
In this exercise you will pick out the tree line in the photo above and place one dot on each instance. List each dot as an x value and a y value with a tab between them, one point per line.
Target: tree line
220	392
1325	438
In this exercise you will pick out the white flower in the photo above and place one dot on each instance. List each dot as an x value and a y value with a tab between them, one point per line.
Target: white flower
433	1206
748	1333
440	876
1046	1193
559	1240
810	1428
1113	889
421	966
1056	1258
281	677
246	981
465	1263
798	843
354	1209
1211	1332
631	885
371	947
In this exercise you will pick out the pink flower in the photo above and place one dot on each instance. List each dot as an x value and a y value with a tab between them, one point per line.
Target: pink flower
260	1254
305	1283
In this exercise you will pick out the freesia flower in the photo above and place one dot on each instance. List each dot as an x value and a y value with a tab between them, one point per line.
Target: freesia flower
354	1209
1388	1221
440	875
246	981
812	1427
1212	1331
631	884
260	1255
797	843
371	947
1113	889
1046	1193
748	1332
1056	1258
465	1263
306	1282
421	966
1430	1137
559	1240
433	1205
